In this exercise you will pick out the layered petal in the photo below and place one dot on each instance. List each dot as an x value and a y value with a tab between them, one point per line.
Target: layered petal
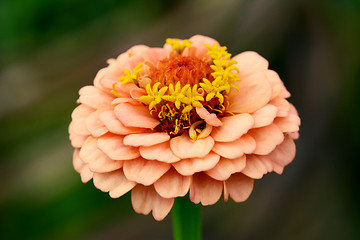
135	116
94	97
249	62
143	171
113	124
238	187
282	105
95	126
113	182
237	148
205	189
190	166
81	167
113	146
264	116
225	167
146	139
255	92
290	123
233	127
284	153
198	48
184	147
172	184
146	199
266	138
257	166
97	160
160	152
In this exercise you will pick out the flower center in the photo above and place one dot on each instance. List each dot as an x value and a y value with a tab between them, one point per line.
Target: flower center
177	68
178	85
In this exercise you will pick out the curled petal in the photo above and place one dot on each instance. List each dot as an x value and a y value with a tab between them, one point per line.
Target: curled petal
95	97
209	118
197	48
282	105
276	83
250	62
85	173
145	199
143	171
172	184
160	152
184	147
113	182
95	126
79	116
238	187
77	140
284	153
290	123
257	166
97	160
135	116
237	148
146	139
233	127
205	189
113	147
113	124
255	92
264	116
190	166
225	167
266	138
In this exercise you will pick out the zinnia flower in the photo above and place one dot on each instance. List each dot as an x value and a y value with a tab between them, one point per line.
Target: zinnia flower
185	118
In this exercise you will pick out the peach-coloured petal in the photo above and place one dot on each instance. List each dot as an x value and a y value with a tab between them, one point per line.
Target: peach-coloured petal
135	116
264	116
237	148
97	160
282	105
290	123
266	138
225	167
184	147
113	124
95	126
124	90
233	127
160	152
79	116
146	139
238	187
113	182
205	189
172	184
255	92
190	166
118	100
249	62
113	147
145	199
85	173
95	97
275	81
197	48
257	166
284	153
293	135
209	118
144	171
138	92
77	140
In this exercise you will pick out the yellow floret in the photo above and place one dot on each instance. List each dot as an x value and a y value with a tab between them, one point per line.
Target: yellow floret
177	45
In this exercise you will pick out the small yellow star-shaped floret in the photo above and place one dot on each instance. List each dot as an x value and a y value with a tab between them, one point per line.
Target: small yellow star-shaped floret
217	52
131	77
177	45
192	98
154	95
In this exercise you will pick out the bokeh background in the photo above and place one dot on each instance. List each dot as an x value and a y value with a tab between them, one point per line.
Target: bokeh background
49	49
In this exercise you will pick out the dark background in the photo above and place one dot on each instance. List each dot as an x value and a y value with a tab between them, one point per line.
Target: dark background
49	49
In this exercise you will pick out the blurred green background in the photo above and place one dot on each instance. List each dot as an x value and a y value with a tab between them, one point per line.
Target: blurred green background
49	49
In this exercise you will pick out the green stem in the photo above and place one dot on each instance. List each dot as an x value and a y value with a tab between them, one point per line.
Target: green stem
186	217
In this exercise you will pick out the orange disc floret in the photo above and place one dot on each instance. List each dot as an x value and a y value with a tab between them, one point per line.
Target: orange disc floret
187	70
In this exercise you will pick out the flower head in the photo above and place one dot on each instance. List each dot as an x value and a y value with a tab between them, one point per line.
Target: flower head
185	118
